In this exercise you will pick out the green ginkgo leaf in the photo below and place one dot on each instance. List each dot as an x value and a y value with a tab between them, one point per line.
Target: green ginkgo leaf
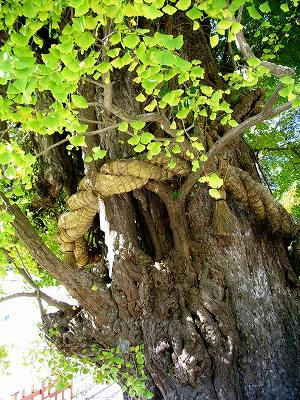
183	4
214	40
253	12
85	40
131	41
214	193
78	141
265	8
79	101
170	10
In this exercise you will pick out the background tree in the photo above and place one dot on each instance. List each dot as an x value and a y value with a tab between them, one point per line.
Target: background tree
132	114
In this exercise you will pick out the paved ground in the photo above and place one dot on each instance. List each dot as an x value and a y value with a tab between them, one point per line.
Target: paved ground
85	389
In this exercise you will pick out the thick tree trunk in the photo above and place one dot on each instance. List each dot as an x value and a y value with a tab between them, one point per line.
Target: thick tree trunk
233	333
217	315
221	325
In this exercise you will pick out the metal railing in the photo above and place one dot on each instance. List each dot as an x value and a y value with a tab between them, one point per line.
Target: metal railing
46	392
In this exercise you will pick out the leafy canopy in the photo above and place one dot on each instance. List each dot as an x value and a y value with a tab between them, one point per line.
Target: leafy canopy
46	51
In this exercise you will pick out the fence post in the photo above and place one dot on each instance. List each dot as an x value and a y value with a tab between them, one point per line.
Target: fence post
15	396
43	391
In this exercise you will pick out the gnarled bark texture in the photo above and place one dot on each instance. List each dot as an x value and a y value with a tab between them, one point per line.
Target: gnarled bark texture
217	314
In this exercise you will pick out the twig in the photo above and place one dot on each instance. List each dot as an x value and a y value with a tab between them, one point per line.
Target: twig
99	131
272	100
291	148
52	302
90	121
16	295
94	82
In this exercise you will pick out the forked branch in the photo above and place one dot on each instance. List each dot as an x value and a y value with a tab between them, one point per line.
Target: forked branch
275	69
61	305
234	133
39	294
227	140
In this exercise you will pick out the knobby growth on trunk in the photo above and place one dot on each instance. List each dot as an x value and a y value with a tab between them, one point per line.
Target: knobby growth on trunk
172	240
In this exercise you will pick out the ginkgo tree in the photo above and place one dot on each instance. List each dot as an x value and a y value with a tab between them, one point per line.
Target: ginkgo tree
125	177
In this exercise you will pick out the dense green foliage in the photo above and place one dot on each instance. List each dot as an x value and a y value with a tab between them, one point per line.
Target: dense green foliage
4	363
278	152
104	365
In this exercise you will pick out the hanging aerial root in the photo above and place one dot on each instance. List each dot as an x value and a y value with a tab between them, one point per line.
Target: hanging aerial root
223	220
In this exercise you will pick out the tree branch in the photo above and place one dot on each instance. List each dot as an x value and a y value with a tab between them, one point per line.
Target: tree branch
227	140
163	190
16	295
76	281
274	97
275	69
147	117
94	82
98	131
39	294
90	121
240	13
236	132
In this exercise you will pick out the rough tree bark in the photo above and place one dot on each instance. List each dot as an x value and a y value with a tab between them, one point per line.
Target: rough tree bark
217	314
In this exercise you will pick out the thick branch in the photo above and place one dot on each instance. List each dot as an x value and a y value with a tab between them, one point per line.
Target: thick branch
76	281
275	69
227	140
236	132
162	190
